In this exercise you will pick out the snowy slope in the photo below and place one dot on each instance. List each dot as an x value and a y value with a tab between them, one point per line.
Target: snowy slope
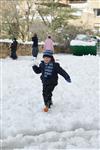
73	121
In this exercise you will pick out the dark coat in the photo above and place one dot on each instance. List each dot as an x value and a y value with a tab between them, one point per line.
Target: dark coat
35	46
35	41
14	46
54	78
14	49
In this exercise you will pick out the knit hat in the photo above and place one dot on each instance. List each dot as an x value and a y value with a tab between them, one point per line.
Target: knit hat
48	53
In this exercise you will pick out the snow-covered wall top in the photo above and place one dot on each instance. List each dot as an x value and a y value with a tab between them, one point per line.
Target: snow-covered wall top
5	41
20	42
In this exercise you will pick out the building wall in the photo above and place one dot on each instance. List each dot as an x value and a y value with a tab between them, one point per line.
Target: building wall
94	3
88	17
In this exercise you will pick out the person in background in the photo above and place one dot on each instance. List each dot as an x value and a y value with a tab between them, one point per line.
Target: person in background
35	45
14	49
48	45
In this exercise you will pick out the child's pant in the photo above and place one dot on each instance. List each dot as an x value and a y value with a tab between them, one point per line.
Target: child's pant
47	94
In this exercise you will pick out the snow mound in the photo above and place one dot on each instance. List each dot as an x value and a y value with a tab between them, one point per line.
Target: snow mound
82	43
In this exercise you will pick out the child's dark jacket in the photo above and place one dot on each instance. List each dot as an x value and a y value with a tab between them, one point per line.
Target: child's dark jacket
53	79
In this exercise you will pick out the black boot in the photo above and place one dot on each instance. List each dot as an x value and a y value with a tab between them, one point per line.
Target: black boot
50	103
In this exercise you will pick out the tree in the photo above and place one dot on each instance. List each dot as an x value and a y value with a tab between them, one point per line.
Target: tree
27	17
55	15
16	18
9	17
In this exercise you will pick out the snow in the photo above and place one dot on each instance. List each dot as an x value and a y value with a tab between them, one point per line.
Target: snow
98	37
21	42
9	41
83	40
6	40
79	6
82	43
72	122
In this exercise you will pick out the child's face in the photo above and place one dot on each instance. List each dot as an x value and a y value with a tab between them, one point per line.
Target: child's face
47	59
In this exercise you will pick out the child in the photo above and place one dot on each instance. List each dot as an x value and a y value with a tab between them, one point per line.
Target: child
49	70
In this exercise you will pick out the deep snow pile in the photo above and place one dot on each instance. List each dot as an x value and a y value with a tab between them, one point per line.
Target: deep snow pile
73	121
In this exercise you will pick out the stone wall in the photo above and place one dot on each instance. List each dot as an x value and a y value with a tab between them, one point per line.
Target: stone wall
4	50
26	49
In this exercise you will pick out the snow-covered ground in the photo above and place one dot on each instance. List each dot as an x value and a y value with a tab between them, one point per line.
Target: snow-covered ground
74	120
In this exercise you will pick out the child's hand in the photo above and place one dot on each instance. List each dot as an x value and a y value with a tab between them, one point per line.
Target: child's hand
69	80
35	63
